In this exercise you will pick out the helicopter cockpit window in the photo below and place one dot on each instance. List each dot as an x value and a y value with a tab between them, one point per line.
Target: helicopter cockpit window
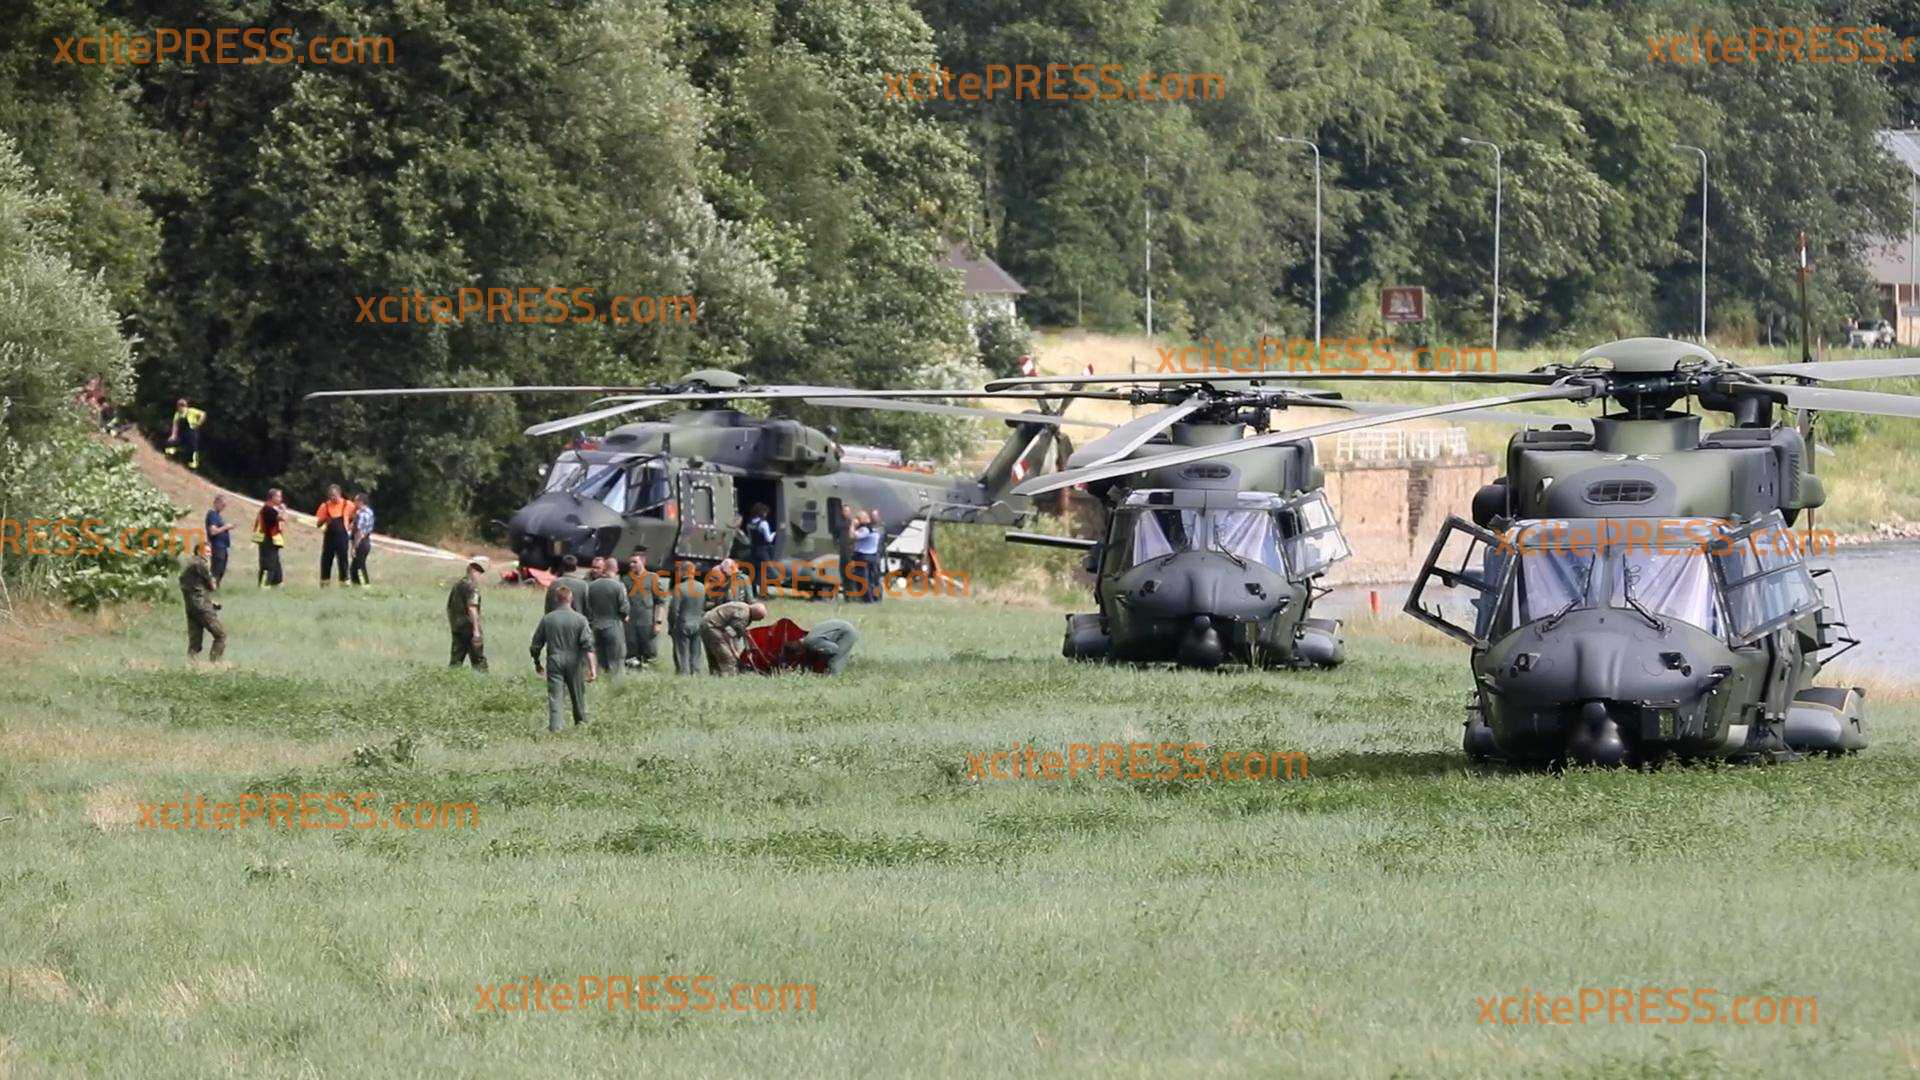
1765	581
606	484
1551	580
650	491
563	474
1313	538
1669	579
1158	533
1247	535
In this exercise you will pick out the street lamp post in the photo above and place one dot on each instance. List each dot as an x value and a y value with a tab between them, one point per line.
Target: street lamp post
1146	177
1703	235
1309	144
1498	184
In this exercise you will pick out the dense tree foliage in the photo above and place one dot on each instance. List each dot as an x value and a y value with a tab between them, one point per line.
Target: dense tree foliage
747	152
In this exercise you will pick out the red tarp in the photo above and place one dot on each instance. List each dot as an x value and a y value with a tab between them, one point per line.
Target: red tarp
766	649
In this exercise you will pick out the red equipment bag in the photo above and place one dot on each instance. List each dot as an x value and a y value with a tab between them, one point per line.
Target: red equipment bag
766	649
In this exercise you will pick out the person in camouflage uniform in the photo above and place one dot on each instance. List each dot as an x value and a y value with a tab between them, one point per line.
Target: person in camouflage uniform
203	615
463	617
724	633
566	639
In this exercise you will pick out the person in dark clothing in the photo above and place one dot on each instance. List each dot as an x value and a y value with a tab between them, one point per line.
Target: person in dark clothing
335	518
268	537
761	540
361	534
203	615
219	537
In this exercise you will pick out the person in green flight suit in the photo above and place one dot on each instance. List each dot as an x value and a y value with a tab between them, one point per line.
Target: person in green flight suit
569	576
567	640
203	615
684	612
463	616
646	595
607	613
727	583
832	642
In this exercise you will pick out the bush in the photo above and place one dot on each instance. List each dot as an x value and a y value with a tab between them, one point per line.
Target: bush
1004	339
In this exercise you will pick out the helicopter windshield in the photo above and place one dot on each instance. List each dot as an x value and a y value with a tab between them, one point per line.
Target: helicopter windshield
563	473
1248	535
1674	569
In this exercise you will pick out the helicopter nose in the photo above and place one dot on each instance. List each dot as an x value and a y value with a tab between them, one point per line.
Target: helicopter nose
1209	586
557	523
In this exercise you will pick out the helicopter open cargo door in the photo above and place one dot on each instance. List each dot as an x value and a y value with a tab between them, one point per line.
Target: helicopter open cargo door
1459	588
706	502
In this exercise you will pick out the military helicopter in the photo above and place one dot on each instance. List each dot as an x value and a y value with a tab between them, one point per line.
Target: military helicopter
1202	563
676	485
1632	593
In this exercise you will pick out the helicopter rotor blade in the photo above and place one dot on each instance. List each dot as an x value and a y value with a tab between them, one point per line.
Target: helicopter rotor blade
1129	436
1490	416
448	391
1828	400
1539	378
1055	481
890	405
1839	370
549	427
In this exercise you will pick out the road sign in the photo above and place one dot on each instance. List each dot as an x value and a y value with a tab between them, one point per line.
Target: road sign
1403	303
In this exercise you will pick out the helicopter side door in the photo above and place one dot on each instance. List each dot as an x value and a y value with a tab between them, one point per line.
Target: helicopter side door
1460	586
706	505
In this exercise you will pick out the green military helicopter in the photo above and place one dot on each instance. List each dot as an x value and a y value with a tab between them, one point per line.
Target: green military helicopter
1204	562
677	485
1632	593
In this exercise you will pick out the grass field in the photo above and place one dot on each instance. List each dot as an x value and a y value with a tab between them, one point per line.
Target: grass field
823	832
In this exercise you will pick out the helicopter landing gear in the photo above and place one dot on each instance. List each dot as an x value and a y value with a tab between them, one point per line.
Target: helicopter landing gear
1086	639
1827	720
1320	643
1477	740
1594	738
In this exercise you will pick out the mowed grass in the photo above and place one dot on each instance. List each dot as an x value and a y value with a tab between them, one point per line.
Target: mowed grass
805	830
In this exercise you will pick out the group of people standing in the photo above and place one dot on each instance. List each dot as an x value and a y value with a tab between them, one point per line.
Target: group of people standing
346	536
606	618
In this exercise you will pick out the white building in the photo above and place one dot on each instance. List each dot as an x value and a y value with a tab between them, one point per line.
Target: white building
990	290
1893	261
